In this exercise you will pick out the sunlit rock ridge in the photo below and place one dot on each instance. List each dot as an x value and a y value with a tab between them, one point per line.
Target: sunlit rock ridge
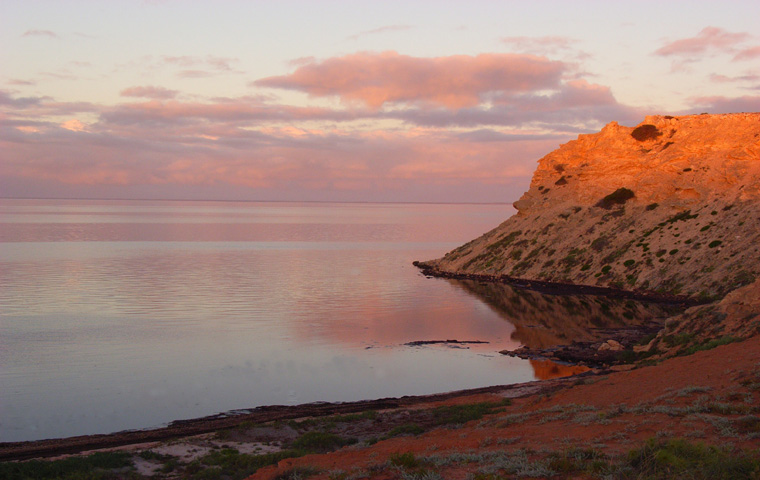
671	206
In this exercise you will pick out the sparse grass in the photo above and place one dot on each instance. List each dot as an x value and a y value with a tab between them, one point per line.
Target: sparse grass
298	473
709	345
459	414
355	417
682	217
676	458
230	464
505	241
92	467
321	442
406	429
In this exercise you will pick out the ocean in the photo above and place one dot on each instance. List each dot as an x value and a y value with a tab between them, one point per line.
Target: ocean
119	315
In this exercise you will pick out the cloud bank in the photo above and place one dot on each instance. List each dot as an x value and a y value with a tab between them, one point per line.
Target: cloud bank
458	81
384	126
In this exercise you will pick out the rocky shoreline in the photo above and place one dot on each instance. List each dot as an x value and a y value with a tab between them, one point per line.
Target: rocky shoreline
559	288
13	451
593	354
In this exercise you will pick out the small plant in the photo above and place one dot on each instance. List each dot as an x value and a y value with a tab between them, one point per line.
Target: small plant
645	132
407	429
600	244
297	473
93	466
321	442
714	243
405	460
676	458
717	342
681	217
618	197
505	241
652	206
457	414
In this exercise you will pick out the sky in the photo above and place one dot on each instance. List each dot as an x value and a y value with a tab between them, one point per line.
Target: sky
391	101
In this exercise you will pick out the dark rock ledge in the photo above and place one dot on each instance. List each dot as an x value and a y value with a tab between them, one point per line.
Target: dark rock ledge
554	288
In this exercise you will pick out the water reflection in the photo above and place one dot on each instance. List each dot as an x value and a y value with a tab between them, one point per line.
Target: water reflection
542	320
546	369
118	315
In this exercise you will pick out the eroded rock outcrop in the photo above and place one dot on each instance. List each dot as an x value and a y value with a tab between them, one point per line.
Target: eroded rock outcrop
671	206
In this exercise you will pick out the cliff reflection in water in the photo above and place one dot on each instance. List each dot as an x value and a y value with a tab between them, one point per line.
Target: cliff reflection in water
542	320
546	369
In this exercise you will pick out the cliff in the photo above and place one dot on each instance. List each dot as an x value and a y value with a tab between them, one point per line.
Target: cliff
671	206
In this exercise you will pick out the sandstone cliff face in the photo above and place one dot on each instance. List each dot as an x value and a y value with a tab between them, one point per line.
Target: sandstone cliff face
670	206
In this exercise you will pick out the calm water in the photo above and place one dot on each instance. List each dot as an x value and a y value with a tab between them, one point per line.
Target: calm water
122	315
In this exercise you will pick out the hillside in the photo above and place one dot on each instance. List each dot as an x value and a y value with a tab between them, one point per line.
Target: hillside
670	207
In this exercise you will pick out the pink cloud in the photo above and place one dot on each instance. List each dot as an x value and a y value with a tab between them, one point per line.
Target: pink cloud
284	159
747	54
16	81
543	45
454	82
40	33
219	64
720	104
749	77
574	106
707	39
159	93
380	30
224	110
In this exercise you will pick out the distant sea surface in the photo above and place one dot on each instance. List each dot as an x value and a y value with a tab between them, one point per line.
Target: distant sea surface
120	315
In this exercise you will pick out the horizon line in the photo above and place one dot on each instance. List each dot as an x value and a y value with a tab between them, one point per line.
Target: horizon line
256	201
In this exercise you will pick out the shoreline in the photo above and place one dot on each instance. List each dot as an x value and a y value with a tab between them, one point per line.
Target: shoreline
576	353
556	288
32	449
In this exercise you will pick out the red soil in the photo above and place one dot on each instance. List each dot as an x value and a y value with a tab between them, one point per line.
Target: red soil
613	413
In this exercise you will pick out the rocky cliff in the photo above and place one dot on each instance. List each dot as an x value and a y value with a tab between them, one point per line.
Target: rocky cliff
670	206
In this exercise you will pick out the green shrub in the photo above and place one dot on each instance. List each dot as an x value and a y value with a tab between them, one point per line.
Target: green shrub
407	429
321	442
618	197
95	467
717	342
456	414
678	458
682	217
645	132
406	460
600	244
505	241
652	206
714	243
